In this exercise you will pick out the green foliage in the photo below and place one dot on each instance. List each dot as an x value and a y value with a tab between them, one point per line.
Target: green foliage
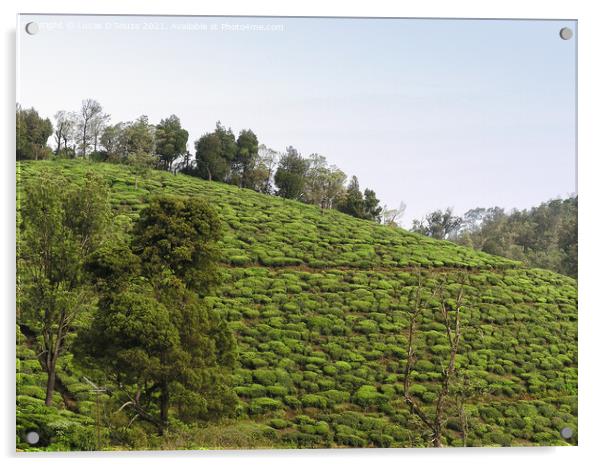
319	309
150	331
215	153
263	405
60	226
171	140
367	395
179	235
290	176
32	135
440	224
544	236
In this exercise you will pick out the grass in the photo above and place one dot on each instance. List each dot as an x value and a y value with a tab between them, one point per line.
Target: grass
318	301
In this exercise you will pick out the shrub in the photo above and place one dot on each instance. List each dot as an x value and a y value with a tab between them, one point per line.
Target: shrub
263	405
279	423
367	395
336	396
265	376
314	401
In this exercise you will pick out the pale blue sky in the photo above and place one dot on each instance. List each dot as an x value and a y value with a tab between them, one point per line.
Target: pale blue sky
436	113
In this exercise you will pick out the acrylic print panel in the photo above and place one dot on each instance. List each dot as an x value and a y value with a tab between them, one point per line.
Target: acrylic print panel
247	232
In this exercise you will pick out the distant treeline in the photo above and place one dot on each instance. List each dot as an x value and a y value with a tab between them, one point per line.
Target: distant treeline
544	236
219	155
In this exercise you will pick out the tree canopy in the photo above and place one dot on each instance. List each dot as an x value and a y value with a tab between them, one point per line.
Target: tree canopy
153	335
33	132
171	140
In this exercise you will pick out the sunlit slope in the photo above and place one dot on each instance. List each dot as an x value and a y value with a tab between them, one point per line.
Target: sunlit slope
268	230
319	303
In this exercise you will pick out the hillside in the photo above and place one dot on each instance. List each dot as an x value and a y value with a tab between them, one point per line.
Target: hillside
318	301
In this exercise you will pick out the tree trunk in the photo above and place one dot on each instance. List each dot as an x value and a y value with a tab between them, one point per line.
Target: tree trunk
164	406
51	370
84	140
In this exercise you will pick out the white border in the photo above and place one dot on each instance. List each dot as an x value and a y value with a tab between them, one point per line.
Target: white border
590	151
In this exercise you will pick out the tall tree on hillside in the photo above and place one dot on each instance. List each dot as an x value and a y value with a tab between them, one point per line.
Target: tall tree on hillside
215	153
264	169
186	164
60	227
89	114
372	208
33	132
392	217
171	141
209	162
61	120
438	224
290	175
325	185
97	128
246	158
137	137
111	141
353	202
65	134
164	348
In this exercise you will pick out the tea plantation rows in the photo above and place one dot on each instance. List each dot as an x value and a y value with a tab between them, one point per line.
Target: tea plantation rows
319	302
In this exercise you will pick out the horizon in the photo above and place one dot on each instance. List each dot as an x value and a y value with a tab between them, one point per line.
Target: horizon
498	87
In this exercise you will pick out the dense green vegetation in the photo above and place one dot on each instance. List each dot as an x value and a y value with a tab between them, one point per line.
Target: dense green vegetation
320	304
544	236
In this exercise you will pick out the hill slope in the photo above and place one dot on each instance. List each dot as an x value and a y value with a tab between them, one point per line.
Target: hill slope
319	303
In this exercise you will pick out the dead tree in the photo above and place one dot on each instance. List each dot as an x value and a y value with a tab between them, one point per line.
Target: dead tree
451	318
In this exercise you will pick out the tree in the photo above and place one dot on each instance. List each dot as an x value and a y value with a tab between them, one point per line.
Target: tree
68	134
33	132
61	126
372	208
209	161
450	314
171	141
262	173
111	141
215	153
166	351
392	217
438	224
246	158
290	175
97	127
137	137
353	202
324	184
179	235
60	227
186	164
89	114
